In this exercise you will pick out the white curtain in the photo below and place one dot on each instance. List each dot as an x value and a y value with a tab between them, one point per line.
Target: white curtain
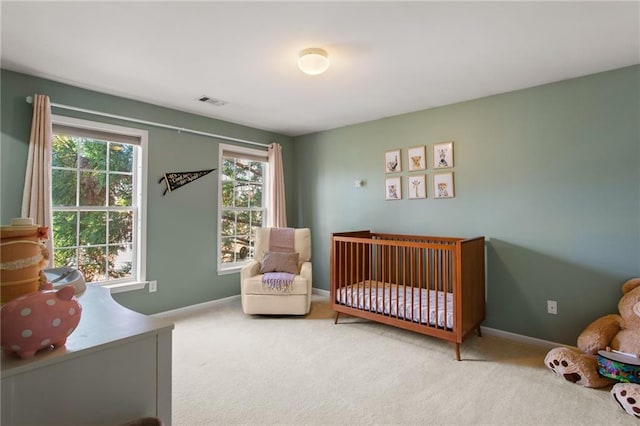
36	198
277	209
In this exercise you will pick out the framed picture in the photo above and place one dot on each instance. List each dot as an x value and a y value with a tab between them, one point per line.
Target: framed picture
393	188
392	163
443	185
443	155
417	186
416	158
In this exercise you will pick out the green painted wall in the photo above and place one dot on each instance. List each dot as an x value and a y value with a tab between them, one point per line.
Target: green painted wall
181	226
549	175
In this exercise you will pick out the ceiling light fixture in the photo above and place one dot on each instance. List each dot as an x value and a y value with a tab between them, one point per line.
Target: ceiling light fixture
313	61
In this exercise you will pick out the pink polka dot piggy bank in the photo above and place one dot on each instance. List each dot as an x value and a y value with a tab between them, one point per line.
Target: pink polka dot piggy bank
39	320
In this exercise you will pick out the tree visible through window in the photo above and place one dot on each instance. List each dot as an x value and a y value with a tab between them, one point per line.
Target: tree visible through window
95	204
242	204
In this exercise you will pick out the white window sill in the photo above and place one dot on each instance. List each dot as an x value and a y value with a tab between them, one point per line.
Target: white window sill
233	268
124	287
229	270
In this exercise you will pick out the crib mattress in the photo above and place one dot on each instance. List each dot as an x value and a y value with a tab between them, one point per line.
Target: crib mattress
426	306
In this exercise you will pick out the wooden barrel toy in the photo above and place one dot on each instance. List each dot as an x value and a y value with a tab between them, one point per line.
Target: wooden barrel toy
22	257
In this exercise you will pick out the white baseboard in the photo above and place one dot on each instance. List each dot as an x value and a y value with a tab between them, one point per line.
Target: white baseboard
325	293
205	305
520	338
194	308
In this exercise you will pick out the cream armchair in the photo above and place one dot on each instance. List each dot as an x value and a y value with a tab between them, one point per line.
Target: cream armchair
256	299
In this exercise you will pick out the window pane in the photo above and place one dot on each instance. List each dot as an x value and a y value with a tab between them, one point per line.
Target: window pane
93	155
93	228
243	223
64	229
120	190
120	227
93	263
242	247
65	257
227	246
242	170
256	196
64	151
120	261
120	157
234	249
227	169
92	189
63	188
228	226
242	193
256	171
256	221
227	194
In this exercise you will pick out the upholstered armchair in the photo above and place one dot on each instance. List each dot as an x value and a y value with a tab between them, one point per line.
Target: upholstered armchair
258	298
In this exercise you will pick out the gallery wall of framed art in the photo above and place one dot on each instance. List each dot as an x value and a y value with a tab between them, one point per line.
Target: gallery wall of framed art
418	178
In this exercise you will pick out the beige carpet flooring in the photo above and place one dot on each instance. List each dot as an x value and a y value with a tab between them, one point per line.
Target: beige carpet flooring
230	368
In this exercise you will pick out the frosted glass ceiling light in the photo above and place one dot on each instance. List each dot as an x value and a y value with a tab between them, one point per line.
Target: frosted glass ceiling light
313	61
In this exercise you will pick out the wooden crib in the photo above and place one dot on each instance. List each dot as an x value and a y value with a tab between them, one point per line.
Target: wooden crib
431	285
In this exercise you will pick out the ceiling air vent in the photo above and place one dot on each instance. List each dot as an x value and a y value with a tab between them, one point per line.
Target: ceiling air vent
212	101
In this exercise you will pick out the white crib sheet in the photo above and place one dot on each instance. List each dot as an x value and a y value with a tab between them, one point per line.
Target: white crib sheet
389	298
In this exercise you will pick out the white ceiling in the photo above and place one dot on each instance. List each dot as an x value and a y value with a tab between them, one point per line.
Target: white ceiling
388	58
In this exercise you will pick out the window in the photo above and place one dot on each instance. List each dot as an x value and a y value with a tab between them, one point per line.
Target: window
241	208
98	199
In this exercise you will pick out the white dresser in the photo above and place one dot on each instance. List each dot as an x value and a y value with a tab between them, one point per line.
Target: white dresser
115	367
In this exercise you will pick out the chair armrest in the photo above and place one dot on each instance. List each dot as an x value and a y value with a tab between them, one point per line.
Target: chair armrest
306	271
249	270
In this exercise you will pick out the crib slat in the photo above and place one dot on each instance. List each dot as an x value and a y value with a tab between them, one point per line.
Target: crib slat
447	273
425	284
405	268
438	288
343	270
387	306
363	272
429	284
338	270
396	281
421	280
355	285
412	270
436	281
350	273
443	278
370	250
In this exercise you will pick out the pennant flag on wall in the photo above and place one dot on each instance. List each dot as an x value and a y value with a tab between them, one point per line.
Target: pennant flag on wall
176	180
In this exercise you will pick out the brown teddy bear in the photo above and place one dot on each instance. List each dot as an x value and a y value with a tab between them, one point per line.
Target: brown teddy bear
619	332
628	396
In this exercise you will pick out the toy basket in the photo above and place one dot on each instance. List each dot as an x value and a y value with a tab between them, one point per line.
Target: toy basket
22	257
618	366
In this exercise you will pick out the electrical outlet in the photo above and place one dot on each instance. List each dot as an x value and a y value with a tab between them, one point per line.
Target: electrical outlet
153	286
552	307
